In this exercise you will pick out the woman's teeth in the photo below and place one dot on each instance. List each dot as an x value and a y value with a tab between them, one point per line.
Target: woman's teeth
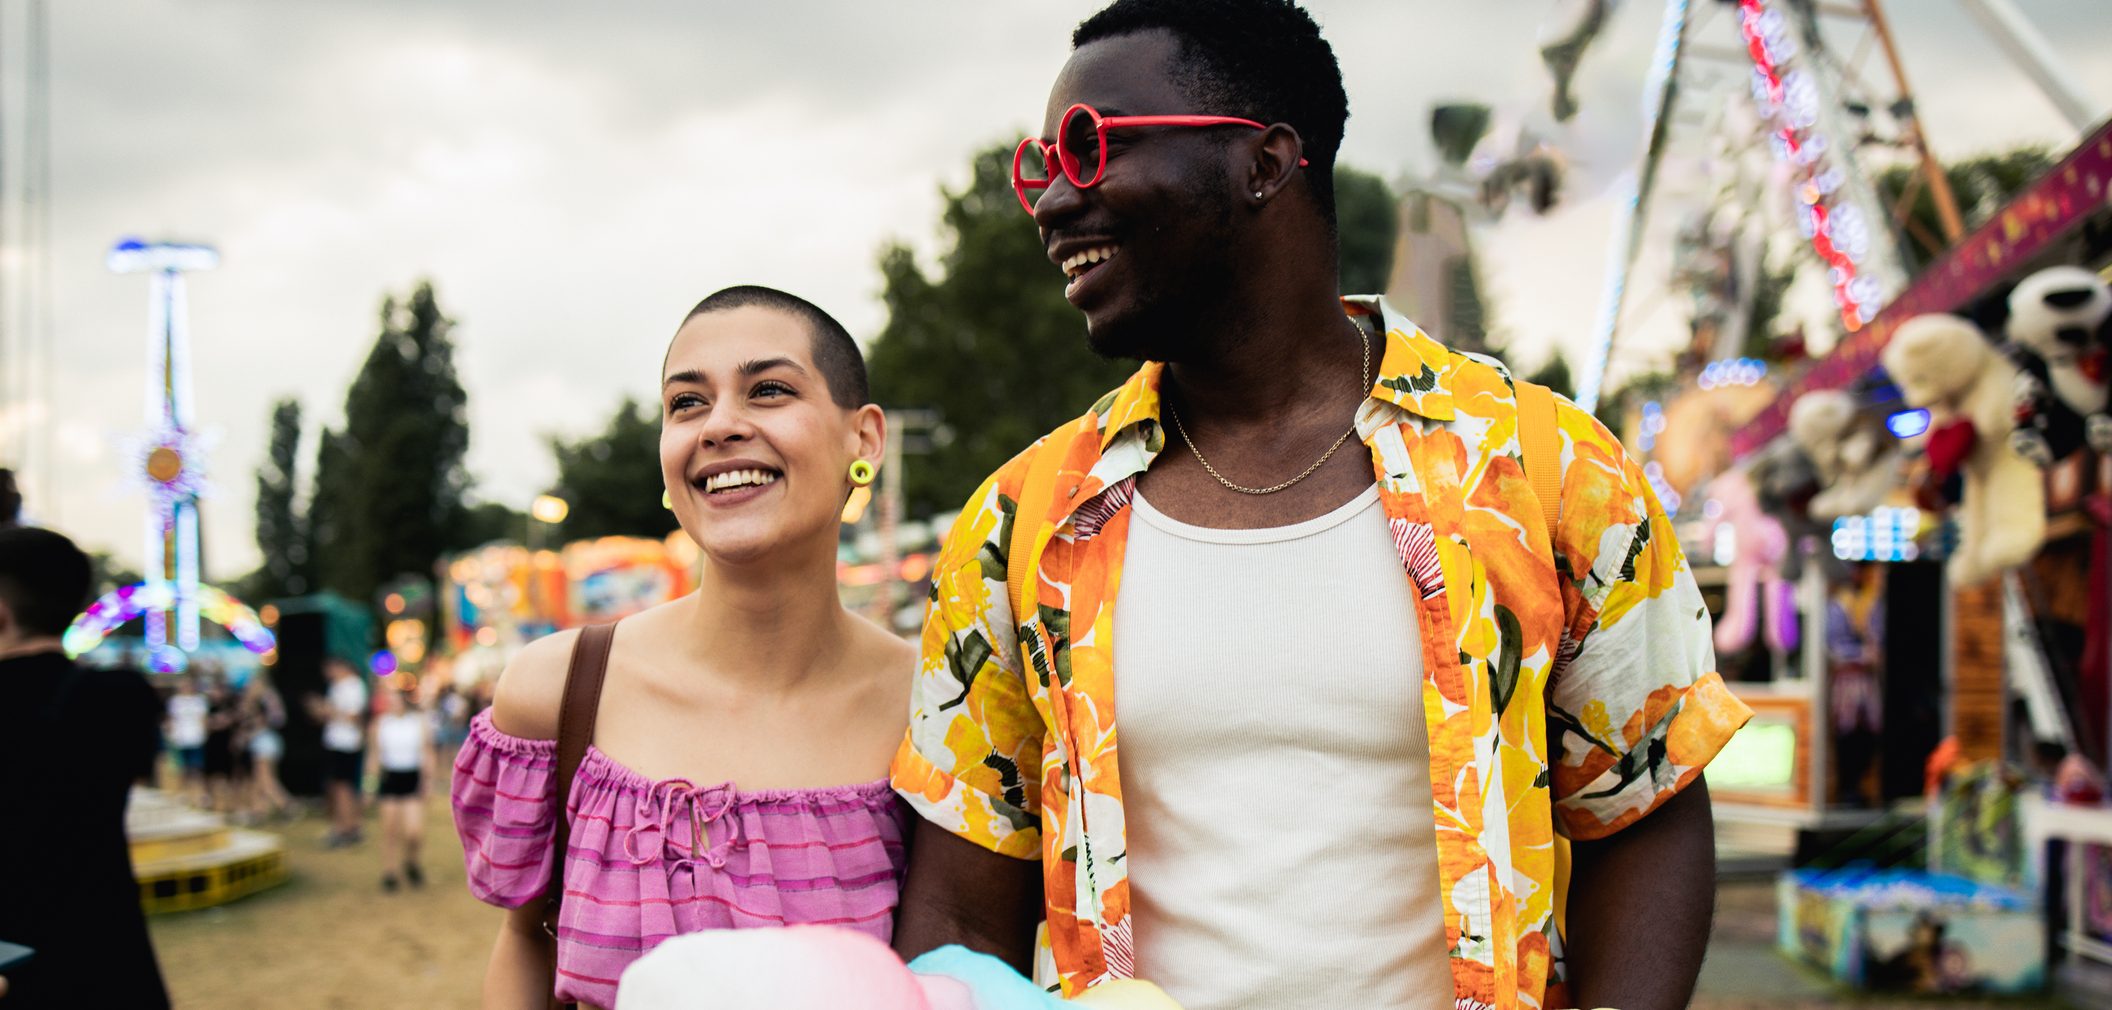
737	478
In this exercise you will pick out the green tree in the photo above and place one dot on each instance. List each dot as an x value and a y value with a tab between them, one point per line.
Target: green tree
1981	185
328	505
281	536
389	485
487	521
989	340
1367	220
612	480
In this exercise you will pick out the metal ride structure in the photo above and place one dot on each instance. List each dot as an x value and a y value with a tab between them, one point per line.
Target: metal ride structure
171	600
1811	105
26	348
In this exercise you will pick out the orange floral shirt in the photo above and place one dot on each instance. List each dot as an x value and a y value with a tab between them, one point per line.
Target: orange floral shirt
1570	688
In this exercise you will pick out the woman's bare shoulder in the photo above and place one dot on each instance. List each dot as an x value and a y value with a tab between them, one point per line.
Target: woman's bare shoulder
531	690
892	660
888	648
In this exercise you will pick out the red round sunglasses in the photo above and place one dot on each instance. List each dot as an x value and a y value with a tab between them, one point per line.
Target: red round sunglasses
1034	174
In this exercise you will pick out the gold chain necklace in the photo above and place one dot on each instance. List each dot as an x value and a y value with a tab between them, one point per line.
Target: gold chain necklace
1364	387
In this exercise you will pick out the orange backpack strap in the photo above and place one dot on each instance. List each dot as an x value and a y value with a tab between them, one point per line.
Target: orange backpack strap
1030	532
1540	442
1540	445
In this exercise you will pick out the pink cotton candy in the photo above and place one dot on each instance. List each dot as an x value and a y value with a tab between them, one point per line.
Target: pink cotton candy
794	968
826	968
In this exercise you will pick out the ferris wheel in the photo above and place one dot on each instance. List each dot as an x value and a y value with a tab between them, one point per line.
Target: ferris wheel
1778	106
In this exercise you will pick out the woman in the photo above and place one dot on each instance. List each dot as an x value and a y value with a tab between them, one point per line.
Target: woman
401	761
738	771
263	715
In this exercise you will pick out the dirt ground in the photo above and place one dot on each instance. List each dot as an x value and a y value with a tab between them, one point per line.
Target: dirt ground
330	938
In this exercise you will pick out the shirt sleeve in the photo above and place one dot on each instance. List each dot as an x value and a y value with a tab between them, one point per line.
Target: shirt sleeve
505	814
971	760
1636	707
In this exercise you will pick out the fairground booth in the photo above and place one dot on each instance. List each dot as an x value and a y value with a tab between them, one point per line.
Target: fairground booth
1904	546
1885	451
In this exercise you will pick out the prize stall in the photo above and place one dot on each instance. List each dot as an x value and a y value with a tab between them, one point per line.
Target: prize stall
1945	471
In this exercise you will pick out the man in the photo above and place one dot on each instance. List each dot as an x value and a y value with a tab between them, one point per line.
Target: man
1366	708
72	742
343	713
188	711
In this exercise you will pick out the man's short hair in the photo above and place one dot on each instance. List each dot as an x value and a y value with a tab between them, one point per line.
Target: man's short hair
44	579
835	353
1257	59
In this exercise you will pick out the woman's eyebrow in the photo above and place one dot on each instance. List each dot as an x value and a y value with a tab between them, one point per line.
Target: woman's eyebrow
691	376
750	368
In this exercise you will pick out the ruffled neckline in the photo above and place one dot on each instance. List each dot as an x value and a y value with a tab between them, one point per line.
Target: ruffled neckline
600	766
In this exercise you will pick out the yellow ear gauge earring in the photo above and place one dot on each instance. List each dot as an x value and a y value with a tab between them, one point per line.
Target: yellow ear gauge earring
862	472
667	501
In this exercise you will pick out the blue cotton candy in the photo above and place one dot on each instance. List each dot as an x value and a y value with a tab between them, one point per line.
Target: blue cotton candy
995	985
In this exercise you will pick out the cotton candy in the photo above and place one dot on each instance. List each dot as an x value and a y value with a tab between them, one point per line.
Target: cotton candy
825	968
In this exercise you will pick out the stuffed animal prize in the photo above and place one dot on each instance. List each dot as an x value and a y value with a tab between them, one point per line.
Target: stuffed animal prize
2059	328
1857	460
1942	362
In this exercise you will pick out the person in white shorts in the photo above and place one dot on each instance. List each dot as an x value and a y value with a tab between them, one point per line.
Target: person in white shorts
402	760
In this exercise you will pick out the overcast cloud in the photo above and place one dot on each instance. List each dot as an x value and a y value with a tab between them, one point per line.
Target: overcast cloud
572	177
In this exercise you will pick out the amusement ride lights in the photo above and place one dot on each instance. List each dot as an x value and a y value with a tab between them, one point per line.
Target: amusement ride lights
172	468
1838	209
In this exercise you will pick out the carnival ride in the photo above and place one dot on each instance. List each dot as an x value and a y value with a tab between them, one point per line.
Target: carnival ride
170	458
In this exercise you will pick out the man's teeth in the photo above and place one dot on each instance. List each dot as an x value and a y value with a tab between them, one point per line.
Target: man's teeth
1079	261
738	478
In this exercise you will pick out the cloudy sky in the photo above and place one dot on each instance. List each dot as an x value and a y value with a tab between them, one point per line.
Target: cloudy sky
573	176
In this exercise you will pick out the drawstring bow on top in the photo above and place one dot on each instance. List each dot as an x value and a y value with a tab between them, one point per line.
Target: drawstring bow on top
654	835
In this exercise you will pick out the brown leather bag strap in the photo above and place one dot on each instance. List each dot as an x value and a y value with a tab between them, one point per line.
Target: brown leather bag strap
575	730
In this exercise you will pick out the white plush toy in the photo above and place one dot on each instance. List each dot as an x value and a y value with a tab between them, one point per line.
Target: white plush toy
1857	460
2060	323
1942	362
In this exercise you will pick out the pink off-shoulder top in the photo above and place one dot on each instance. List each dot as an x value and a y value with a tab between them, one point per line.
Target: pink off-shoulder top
653	859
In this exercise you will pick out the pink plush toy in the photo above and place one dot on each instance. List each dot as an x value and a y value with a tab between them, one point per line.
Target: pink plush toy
825	968
1759	544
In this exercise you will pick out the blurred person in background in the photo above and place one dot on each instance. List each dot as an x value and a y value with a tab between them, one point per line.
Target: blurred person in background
451	711
401	763
72	742
189	711
343	713
222	721
263	714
